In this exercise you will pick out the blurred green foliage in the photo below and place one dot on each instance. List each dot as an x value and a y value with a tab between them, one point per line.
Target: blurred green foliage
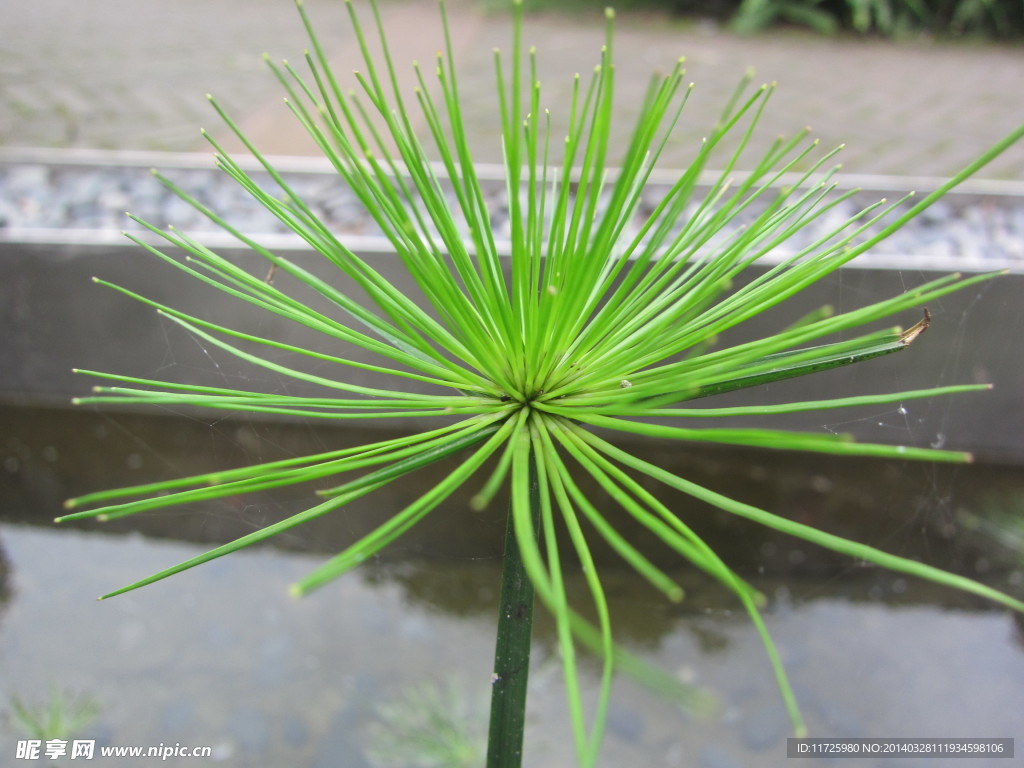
430	725
996	19
888	18
60	716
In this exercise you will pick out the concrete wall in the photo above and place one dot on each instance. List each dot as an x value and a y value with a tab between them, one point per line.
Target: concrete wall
55	318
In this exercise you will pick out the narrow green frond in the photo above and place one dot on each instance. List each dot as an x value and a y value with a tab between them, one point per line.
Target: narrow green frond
770	438
546	461
637	501
158	490
408	517
638	409
639	562
809	533
405	458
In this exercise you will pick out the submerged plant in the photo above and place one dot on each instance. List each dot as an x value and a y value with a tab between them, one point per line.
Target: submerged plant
430	725
600	315
61	716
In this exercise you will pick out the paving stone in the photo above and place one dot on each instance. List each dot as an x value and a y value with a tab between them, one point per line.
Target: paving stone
133	75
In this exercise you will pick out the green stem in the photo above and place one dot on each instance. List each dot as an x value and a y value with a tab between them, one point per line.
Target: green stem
512	649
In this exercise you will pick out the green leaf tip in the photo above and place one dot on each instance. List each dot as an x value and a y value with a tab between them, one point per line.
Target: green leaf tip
609	13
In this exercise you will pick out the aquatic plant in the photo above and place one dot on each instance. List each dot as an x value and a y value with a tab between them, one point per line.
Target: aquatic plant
61	716
430	725
595	314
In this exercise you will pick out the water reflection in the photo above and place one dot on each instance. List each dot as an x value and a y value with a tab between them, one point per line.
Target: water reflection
221	656
5	581
959	517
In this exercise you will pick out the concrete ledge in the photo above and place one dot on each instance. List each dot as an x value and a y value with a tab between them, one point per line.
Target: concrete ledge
56	319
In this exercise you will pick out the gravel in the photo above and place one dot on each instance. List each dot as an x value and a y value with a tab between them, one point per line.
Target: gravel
962	231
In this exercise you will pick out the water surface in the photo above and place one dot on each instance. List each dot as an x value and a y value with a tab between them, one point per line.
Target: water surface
222	656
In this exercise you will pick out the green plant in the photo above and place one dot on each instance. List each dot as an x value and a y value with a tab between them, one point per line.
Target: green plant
60	717
998	522
755	15
998	18
599	318
430	725
886	16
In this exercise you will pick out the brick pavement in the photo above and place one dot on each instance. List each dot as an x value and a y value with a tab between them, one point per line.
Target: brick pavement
133	73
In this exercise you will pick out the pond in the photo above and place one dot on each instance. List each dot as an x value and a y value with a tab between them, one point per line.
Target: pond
221	656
